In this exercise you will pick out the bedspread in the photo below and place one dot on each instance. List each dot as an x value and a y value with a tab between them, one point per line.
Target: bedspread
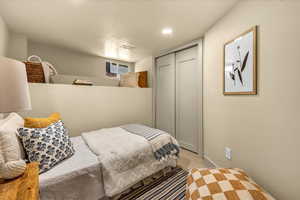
125	158
162	143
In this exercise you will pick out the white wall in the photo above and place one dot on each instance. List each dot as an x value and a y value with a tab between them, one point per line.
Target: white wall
4	37
68	62
70	65
17	48
262	130
146	64
86	108
69	79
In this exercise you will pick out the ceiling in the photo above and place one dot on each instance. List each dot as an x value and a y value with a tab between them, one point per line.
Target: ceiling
124	29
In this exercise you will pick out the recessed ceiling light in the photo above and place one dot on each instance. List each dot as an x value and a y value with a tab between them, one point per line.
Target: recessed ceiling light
167	31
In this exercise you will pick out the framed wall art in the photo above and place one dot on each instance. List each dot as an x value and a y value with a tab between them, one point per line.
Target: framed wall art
239	68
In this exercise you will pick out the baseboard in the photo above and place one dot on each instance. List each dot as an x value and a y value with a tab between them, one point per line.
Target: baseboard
209	162
187	146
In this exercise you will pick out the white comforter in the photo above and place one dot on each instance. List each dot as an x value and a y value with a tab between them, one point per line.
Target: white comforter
125	158
78	177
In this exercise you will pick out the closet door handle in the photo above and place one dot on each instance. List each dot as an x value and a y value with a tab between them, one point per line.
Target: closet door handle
183	61
167	65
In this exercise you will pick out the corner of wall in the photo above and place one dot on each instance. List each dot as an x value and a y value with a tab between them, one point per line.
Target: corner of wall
18	46
146	64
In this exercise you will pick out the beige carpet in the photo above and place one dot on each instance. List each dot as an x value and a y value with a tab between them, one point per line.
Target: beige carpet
190	160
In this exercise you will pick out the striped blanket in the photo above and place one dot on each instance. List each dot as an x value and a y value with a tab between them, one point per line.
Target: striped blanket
162	143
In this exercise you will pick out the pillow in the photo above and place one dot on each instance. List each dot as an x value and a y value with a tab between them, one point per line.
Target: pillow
41	122
12	153
48	146
130	79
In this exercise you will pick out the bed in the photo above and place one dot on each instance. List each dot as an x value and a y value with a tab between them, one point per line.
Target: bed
106	163
78	177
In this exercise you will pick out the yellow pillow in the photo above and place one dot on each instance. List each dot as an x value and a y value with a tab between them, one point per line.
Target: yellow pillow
41	122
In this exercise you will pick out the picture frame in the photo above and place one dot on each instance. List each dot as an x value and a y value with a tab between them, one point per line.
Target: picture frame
240	64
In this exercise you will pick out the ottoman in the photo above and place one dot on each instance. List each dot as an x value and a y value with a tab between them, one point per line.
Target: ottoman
223	184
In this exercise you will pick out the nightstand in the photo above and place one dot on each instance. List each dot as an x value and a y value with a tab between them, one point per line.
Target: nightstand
25	187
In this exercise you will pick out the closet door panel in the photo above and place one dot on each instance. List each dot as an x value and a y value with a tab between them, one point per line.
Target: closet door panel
165	96
187	98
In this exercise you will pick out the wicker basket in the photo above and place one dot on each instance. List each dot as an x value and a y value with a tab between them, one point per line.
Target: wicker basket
35	72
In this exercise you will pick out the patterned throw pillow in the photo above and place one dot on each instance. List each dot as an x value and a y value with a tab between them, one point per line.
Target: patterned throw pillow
48	146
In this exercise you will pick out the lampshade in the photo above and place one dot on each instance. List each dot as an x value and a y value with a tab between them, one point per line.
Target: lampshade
14	90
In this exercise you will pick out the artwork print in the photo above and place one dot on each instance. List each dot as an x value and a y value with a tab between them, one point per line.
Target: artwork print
240	64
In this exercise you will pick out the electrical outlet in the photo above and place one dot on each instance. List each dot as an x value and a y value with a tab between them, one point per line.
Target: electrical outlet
227	153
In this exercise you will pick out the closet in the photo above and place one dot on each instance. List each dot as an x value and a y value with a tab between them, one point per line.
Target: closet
179	96
165	96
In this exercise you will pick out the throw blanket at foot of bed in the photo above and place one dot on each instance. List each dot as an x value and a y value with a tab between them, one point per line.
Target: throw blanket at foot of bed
125	158
163	144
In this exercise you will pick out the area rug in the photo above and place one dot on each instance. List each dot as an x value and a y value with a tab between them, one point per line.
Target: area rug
168	187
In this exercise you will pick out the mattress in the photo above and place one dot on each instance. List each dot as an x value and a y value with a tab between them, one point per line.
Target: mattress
78	177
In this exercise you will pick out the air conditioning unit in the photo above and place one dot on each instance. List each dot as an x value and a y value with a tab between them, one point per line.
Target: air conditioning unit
114	69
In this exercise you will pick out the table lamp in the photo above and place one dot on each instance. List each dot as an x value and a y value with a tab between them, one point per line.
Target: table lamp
14	90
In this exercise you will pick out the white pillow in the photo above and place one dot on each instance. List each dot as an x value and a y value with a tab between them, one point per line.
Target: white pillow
12	152
130	79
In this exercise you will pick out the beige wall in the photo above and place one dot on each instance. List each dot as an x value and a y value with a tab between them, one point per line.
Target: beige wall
4	37
262	130
90	108
146	64
69	79
68	62
17	48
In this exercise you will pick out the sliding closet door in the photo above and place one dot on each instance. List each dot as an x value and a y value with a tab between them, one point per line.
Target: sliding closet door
187	94
165	95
